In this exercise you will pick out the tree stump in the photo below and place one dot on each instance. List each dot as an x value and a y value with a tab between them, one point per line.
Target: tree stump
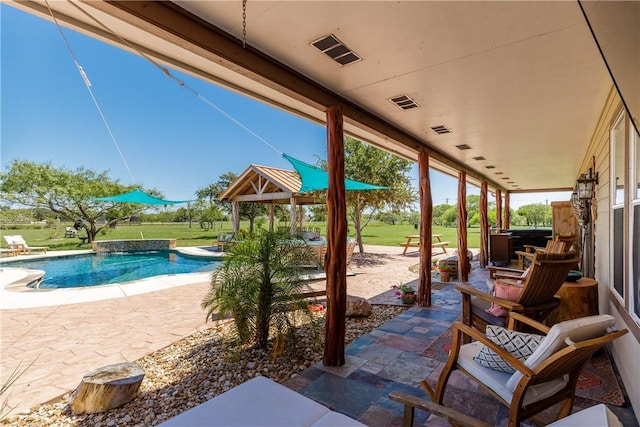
107	388
577	299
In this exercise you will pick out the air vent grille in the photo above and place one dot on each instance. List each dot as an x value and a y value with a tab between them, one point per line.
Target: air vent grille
336	50
440	129
490	167
404	102
463	147
479	158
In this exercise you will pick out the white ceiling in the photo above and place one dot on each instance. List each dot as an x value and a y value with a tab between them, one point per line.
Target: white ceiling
521	83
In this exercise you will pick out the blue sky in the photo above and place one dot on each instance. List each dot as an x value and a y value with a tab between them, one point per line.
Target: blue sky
170	139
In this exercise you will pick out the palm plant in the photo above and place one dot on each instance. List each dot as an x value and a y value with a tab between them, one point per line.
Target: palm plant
260	284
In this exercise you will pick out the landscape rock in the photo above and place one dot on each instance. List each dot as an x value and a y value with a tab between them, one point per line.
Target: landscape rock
358	307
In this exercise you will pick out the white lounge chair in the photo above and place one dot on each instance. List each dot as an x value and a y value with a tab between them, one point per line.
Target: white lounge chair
20	246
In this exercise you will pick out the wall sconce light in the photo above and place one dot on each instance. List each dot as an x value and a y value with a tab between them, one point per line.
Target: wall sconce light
586	185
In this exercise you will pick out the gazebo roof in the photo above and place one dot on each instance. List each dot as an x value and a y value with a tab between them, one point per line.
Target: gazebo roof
268	185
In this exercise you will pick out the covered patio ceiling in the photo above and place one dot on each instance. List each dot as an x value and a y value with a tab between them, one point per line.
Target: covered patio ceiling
517	86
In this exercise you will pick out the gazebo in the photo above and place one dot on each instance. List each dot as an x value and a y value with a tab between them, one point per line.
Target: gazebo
272	186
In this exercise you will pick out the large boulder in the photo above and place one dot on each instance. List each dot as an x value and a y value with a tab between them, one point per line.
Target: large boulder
358	307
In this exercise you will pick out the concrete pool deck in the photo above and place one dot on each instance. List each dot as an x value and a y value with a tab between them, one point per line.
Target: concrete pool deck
60	342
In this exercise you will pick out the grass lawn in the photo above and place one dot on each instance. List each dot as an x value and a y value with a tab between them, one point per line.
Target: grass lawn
376	233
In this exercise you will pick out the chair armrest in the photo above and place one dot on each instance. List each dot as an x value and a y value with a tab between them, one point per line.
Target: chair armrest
448	414
511	276
514	318
493	270
470	290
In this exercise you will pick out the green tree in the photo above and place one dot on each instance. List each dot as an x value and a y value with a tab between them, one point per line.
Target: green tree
207	205
369	164
536	214
260	284
247	210
67	193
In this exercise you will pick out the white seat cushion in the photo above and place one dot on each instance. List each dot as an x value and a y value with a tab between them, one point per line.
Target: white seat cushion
595	416
497	381
581	329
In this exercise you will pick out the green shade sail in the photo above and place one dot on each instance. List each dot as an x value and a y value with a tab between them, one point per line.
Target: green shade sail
314	179
139	197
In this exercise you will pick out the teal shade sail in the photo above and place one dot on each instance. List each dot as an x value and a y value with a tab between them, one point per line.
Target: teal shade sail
139	197
315	179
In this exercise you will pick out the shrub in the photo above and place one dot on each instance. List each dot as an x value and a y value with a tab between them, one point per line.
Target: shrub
260	284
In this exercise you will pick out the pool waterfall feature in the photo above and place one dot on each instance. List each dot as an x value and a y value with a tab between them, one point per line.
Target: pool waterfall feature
133	245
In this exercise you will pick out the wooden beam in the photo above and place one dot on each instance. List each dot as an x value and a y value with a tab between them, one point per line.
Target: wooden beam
264	197
426	215
336	258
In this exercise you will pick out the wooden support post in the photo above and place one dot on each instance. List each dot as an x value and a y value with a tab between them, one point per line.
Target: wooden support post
292	217
483	257
498	209
271	216
463	261
235	216
426	213
507	213
336	259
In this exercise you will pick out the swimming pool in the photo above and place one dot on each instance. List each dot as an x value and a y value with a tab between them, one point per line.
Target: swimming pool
110	268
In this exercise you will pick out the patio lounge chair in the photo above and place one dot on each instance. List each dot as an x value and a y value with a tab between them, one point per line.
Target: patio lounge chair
18	244
533	297
527	382
225	241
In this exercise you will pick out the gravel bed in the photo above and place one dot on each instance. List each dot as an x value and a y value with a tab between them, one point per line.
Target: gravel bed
198	368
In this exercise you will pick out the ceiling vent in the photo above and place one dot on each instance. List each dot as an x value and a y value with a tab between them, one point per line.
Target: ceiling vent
499	173
404	102
463	147
491	167
479	158
440	129
336	50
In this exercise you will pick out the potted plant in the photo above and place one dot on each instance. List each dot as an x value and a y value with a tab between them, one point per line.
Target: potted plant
445	270
406	293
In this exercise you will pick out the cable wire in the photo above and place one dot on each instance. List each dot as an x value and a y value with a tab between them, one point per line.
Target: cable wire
179	82
87	83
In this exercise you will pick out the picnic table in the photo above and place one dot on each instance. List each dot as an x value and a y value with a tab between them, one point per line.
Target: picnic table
413	241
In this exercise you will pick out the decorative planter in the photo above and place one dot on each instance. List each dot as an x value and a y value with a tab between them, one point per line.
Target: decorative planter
409	298
444	276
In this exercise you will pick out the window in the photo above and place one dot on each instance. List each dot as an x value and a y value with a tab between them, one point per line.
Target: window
634	144
617	138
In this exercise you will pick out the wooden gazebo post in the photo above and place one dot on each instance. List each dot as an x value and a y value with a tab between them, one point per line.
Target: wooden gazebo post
426	214
483	257
336	259
235	216
463	262
272	215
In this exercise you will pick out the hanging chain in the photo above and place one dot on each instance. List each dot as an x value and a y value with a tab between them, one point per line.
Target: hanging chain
244	24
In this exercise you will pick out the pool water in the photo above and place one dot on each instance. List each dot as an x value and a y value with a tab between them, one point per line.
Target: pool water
109	268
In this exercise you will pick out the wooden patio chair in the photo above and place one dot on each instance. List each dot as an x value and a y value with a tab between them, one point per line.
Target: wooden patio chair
527	383
533	295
